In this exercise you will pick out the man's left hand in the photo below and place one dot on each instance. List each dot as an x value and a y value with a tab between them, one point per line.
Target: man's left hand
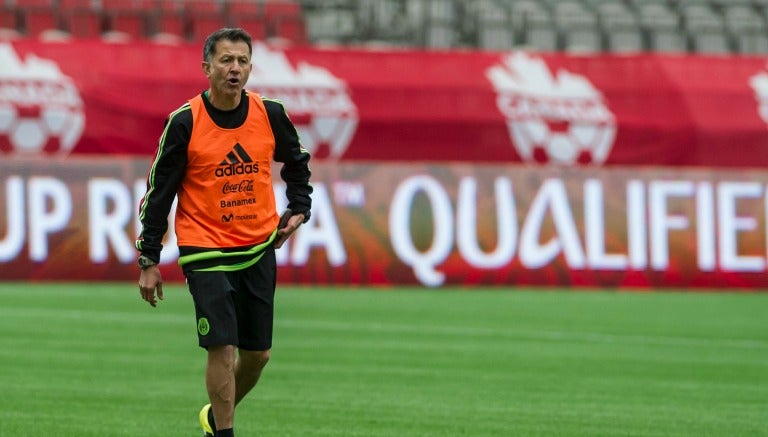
285	232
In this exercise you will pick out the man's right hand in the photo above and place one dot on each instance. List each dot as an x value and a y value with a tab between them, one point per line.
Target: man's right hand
149	282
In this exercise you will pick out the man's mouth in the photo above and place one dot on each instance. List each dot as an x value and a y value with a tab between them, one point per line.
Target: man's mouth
233	81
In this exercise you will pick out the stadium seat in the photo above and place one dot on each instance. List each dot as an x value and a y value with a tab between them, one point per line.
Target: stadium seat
415	15
529	12
9	18
331	26
125	5
25	4
253	24
624	39
203	23
383	21
621	28
168	23
203	7
289	7
440	25
492	26
80	18
578	26
203	18
244	7
248	15
439	36
668	40
662	26
38	20
495	33
541	37
132	23
709	39
533	25
75	4
82	23
575	10
751	42
285	21
747	28
705	28
289	27
129	19
657	13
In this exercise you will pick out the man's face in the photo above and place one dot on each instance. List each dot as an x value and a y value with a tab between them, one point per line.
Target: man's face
229	68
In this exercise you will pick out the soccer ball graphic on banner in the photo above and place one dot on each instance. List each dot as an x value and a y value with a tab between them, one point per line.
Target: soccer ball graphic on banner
40	108
318	102
759	84
555	119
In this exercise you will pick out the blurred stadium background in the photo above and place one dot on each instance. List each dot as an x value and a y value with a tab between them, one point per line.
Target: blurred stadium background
697	26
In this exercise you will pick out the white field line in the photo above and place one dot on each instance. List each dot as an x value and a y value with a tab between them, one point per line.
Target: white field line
512	333
455	331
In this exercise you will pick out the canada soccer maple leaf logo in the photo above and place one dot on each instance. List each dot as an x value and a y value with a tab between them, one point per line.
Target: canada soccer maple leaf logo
553	118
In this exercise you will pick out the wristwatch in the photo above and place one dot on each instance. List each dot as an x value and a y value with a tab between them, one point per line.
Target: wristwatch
145	262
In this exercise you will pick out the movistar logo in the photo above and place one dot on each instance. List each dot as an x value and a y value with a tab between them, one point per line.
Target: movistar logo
237	162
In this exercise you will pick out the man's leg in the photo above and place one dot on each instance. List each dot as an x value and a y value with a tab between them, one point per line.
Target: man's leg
255	313
220	383
248	369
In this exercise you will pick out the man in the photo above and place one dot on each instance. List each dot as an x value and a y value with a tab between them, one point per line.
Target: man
215	155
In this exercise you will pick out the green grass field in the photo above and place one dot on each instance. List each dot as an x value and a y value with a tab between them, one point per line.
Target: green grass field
95	360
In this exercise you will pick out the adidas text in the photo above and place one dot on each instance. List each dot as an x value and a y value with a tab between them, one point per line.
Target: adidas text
237	169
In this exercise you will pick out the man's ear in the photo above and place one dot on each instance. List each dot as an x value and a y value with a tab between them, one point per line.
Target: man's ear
206	68
250	69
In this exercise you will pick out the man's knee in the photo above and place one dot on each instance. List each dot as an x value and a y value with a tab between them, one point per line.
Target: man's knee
255	360
222	355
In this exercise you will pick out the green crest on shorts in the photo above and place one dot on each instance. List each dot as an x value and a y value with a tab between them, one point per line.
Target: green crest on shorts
203	327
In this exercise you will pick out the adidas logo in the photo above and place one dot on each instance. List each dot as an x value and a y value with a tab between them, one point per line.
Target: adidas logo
237	162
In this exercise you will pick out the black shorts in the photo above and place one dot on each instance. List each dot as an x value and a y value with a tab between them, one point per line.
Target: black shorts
236	308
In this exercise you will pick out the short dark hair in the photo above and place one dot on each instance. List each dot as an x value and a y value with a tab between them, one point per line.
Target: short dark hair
229	33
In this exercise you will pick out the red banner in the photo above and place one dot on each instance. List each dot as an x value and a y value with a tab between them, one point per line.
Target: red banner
85	97
434	225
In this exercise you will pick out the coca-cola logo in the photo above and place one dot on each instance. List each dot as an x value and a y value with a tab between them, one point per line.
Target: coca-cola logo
245	186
